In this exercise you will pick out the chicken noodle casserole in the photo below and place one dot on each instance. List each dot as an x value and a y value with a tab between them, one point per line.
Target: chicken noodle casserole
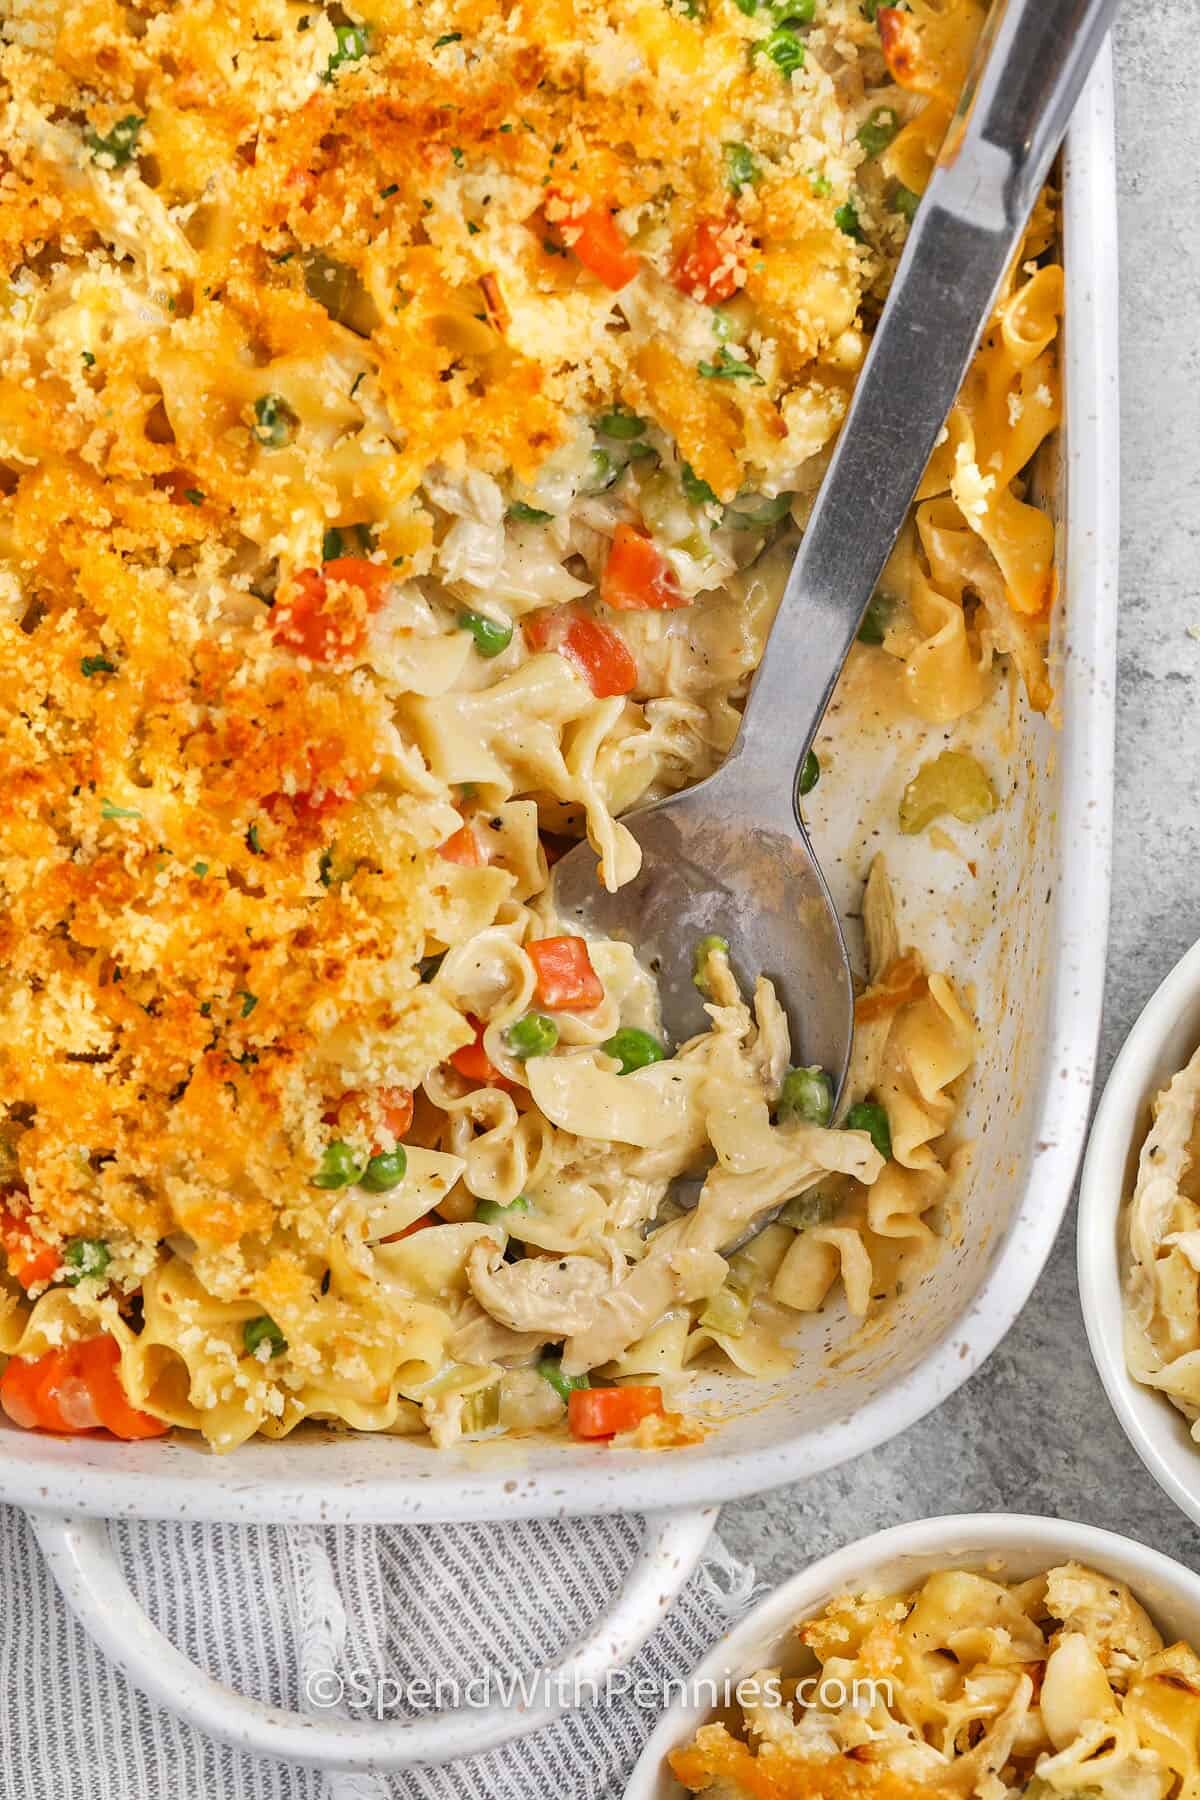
969	1687
1160	1250
406	418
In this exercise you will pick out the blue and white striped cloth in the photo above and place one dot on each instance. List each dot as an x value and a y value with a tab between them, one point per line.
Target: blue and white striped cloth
247	1605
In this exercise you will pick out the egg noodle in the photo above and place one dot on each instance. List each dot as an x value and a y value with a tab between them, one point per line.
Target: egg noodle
406	420
966	1686
1160	1250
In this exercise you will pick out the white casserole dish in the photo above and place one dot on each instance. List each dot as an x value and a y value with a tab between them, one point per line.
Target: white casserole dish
1031	948
1004	1546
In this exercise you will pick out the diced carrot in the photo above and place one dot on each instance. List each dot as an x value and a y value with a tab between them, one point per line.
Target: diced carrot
472	1061
99	1365
602	657
637	577
30	1259
320	625
74	1390
463	847
600	654
565	976
596	239
709	267
601	1412
24	1391
397	1104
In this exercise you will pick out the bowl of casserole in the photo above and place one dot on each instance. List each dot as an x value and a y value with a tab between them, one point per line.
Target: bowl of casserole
953	1653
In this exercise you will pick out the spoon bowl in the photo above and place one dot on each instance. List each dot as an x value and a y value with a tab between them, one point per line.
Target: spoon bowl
752	880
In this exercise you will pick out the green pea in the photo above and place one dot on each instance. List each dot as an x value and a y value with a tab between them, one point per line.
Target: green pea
712	945
905	202
386	1169
810	774
491	637
870	1117
338	1167
875	620
807	1093
353	43
263	1330
85	1257
846	219
783	48
490	1212
697	492
620	424
633	1049
550	1369
274	421
876	132
534	1035
120	145
741	167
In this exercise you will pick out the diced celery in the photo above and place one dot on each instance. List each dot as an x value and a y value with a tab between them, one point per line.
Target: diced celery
481	1410
953	782
727	1311
804	1211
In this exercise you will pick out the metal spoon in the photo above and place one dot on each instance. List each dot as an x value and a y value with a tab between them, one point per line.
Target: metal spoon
731	855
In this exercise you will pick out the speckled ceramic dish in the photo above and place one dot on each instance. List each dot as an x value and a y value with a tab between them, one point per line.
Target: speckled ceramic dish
1026	932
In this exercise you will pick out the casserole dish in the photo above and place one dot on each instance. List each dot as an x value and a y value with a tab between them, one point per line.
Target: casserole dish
1030	944
1004	1547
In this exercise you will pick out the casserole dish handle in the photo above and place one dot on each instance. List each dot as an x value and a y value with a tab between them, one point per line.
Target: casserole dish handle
82	1559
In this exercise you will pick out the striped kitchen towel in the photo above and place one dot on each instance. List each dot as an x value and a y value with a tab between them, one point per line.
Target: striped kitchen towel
266	1610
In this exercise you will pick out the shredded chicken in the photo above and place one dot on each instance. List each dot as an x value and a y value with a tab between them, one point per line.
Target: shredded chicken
729	1201
552	1295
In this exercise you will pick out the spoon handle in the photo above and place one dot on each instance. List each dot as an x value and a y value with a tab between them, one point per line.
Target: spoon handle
1031	65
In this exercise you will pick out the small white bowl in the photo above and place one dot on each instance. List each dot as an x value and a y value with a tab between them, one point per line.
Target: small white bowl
1158	1046
1007	1546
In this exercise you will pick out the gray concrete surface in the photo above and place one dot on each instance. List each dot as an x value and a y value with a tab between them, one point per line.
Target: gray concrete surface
1032	1431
